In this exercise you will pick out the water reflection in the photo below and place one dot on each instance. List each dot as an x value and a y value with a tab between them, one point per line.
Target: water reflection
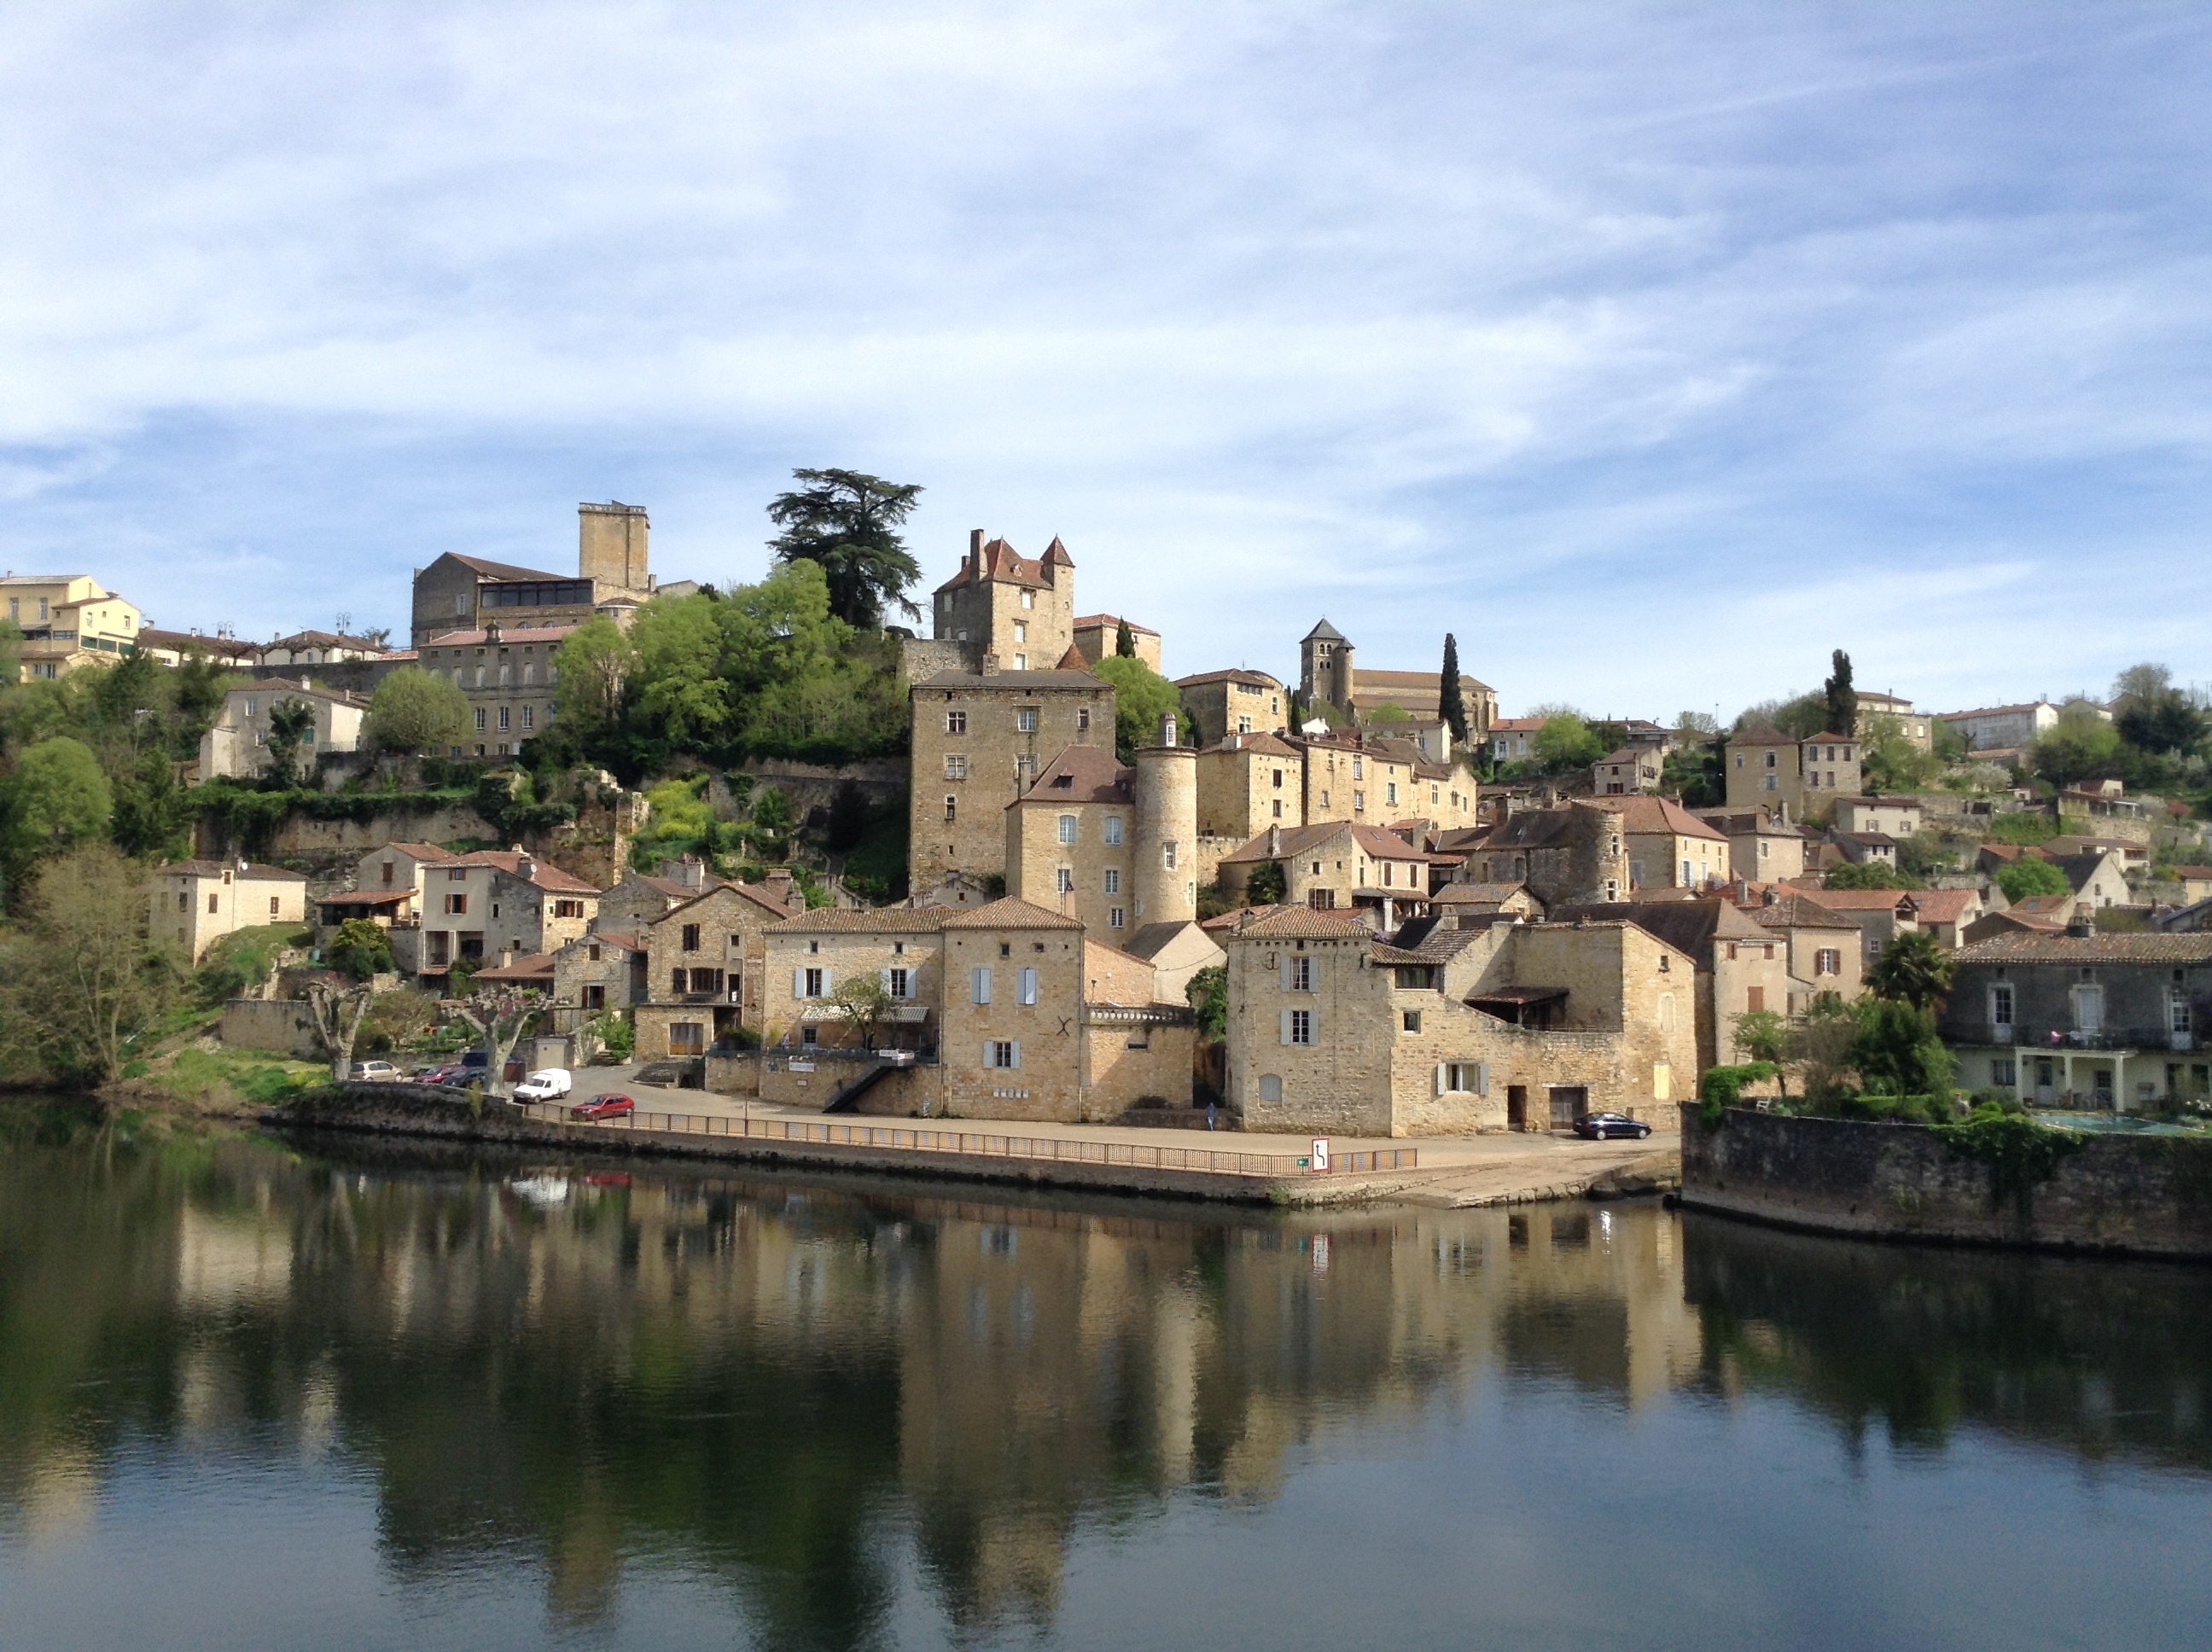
821	1397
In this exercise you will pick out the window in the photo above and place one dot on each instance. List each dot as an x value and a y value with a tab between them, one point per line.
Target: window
1028	986
1113	831
1411	1020
1025	719
1278	809
1754	998
1390	794
1770	760
1298	1026
502	720
1243	725
1064	880
1028	598
2001	1004
1113	880
1002	1053
1359	768
956	722
979	983
899	983
593	954
2089	1009
1115	918
811	982
1083	719
1769	783
1068	828
686	1038
1168	854
1359	803
457	904
1298	977
1021	631
480	720
595	996
956	767
1462	1079
567	909
1689	878
2002	1073
690	942
506	676
810	1036
530	717
951	810
1320	900
2177	1006
1271	1086
213	897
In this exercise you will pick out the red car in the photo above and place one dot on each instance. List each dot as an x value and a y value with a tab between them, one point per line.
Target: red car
604	1107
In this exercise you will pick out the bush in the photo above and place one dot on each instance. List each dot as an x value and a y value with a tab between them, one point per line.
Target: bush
2023	828
2030	876
1723	1088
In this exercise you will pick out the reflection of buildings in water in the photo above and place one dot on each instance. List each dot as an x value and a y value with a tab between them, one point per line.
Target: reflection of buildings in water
58	1498
224	1259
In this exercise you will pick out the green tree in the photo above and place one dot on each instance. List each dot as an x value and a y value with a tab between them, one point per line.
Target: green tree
1842	707
57	799
1893	762
1870	874
1914	967
1696	727
2080	746
1763	1035
339	1008
1897	1049
399	1018
2030	876
1389	712
11	653
152	810
682	691
414	711
1566	743
1799	717
2152	716
1124	640
847	522
80	980
290	723
1208	991
1142	697
361	948
1268	885
591	670
864	1005
1451	698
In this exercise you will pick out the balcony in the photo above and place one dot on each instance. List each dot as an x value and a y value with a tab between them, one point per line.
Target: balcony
2021	1036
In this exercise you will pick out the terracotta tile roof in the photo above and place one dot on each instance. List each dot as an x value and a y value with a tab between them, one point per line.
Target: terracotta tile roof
1258	679
1862	900
1223	923
1030	680
544	874
2191	873
848	920
1291	923
251	872
1012	913
1432	681
1081	774
1267	746
1454	895
1944	906
362	897
1645	815
1100	622
1373	840
420	851
1000	562
535	968
2062	948
753	892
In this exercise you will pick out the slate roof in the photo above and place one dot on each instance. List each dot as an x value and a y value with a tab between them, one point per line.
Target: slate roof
1089	622
507	635
1081	774
2185	949
1690	927
1323	632
1796	912
253	871
492	570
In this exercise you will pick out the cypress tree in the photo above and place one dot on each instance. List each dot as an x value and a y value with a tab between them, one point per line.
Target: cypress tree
1842	698
1124	640
1449	700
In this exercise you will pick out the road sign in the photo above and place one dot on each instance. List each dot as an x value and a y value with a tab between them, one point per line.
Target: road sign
1321	1153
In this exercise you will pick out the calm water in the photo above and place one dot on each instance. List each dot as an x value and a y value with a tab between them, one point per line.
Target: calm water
288	1395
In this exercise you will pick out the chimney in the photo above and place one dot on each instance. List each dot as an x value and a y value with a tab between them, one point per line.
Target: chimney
1167	729
2081	925
525	868
975	550
1274	842
783	891
990	664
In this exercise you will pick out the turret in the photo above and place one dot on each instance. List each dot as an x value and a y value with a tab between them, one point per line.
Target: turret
1166	873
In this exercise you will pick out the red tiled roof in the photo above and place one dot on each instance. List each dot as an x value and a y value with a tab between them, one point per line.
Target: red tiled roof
543	873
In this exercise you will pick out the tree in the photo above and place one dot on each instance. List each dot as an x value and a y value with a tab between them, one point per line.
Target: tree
2080	746
11	651
1389	711
338	1011
590	670
864	1005
848	522
499	1015
1566	742
361	948
290	723
80	980
2030	875
1820	1046
2155	717
1208	993
1870	874
681	690
1124	640
1897	1049
414	711
399	1017
57	799
1451	698
1913	969
1697	725
772	820
1801	717
1142	699
1893	762
1843	700
1268	885
1763	1035
2143	683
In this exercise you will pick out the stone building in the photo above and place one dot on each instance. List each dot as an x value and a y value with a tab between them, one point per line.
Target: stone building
1328	674
1575	852
1823	948
496	905
1764	848
1877	711
507	678
471	593
640	899
68	620
706	964
238	744
1739	966
1240	701
1769	769
1002	611
1336	865
603	970
1097	636
2080	1019
1248	783
1442	1031
1669	847
980	741
1112	845
1632	768
196	903
1381	780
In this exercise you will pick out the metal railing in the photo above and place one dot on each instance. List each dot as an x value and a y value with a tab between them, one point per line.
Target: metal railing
986	1143
2023	1036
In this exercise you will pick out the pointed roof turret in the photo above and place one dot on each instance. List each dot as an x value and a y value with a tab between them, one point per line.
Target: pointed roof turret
1323	632
1057	552
1073	661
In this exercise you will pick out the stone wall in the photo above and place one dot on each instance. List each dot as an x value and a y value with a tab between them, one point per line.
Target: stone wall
1134	1056
285	1025
2151	1194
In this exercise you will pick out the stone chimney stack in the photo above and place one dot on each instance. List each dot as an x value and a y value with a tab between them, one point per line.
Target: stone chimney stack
975	552
781	888
1274	843
2082	926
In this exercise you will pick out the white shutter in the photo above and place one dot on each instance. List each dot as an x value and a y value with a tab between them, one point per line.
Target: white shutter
1286	1026
1018	1052
1029	994
1286	969
885	980
798	983
829	984
1482	1077
986	1052
982	983
1441	1078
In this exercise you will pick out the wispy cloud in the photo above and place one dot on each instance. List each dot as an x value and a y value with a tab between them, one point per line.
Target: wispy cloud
1656	351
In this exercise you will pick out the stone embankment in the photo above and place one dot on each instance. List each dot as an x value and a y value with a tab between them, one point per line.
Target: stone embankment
2121	1193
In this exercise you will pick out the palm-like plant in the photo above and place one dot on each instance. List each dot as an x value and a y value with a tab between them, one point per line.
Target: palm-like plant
1914	969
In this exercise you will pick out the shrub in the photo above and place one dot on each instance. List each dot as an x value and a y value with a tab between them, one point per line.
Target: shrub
1723	1088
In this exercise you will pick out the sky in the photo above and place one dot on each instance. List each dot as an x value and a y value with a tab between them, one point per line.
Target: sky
1654	351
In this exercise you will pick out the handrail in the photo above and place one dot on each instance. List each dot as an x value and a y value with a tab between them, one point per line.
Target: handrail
995	1144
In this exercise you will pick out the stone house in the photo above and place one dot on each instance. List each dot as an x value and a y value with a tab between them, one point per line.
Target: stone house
980	741
1222	703
1097	636
1881	914
1007	613
638	900
2079	1020
196	902
1767	768
1345	780
68	620
1669	848
507	676
1824	949
1336	865
469	593
1249	782
1512	740
1632	768
1575	852
1876	709
1763	846
1738	967
398	865
1897	817
319	648
1866	848
1459	900
1439	1030
2134	858
496	906
599	971
1945	914
706	963
2098	877
393	911
238	744
1113	846
1172	953
2003	728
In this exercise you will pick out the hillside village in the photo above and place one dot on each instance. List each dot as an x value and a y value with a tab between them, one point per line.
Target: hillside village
780	847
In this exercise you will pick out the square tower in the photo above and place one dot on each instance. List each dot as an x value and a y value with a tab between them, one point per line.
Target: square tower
1003	604
611	545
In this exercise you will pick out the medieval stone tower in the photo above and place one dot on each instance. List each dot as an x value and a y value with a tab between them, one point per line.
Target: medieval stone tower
611	545
1325	670
1166	866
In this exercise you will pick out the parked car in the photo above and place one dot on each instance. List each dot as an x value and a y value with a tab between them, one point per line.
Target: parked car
375	1072
1596	1126
450	1072
544	1085
604	1106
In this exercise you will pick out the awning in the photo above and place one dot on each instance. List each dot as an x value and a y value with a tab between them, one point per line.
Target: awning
1516	995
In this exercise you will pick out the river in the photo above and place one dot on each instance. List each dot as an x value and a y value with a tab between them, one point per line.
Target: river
261	1393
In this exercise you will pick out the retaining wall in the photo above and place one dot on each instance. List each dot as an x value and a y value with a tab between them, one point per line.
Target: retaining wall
2146	1194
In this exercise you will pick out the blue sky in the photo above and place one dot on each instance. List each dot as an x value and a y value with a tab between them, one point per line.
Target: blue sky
1655	351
